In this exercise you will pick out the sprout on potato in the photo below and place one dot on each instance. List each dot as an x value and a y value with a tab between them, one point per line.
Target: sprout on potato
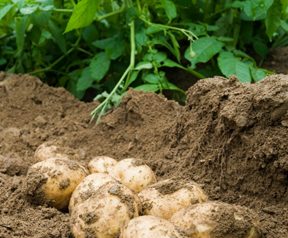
87	188
133	173
216	219
101	164
105	212
52	181
150	227
166	197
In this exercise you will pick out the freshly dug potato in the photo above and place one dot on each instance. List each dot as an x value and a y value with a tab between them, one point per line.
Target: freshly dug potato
166	197
150	227
133	173
216	220
88	186
104	213
52	181
46	151
101	164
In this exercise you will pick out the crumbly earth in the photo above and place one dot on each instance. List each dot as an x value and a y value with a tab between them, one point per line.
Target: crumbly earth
231	138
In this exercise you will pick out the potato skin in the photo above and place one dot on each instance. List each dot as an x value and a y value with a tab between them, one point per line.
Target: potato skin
216	220
52	181
101	164
150	227
158	202
105	213
87	188
46	151
133	173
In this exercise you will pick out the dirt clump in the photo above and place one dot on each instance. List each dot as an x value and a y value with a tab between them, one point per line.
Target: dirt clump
231	138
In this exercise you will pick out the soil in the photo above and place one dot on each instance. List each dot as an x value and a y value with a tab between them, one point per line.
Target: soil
277	60
231	138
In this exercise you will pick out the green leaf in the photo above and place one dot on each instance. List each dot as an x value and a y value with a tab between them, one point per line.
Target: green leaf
5	10
46	8
21	25
256	9
204	49
159	57
28	10
154	29
152	78
260	47
171	64
155	56
160	40
3	61
258	73
231	65
143	65
170	9
83	15
273	19
113	46
99	66
171	86
85	81
132	77
57	35
284	7
148	88
40	19
141	38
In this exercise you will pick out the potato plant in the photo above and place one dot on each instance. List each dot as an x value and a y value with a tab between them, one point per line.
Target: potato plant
109	46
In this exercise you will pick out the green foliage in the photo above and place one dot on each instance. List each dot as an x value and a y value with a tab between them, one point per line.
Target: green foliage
83	15
109	46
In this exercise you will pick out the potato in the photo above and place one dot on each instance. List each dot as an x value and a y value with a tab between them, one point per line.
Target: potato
101	164
150	227
87	188
46	151
133	173
166	197
104	213
216	220
52	181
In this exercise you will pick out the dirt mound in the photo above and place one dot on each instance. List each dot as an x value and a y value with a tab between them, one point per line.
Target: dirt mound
230	137
237	134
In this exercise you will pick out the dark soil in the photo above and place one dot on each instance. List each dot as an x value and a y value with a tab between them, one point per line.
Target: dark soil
277	60
230	137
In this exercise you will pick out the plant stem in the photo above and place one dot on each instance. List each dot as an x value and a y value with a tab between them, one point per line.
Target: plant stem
195	73
84	51
139	7
100	18
48	68
100	109
189	34
63	10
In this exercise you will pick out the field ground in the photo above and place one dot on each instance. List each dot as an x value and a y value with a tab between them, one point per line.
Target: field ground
229	137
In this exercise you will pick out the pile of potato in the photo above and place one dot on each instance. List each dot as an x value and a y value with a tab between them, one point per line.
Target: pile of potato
123	199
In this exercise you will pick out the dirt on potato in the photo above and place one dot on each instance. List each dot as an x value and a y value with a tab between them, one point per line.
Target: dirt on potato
231	138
